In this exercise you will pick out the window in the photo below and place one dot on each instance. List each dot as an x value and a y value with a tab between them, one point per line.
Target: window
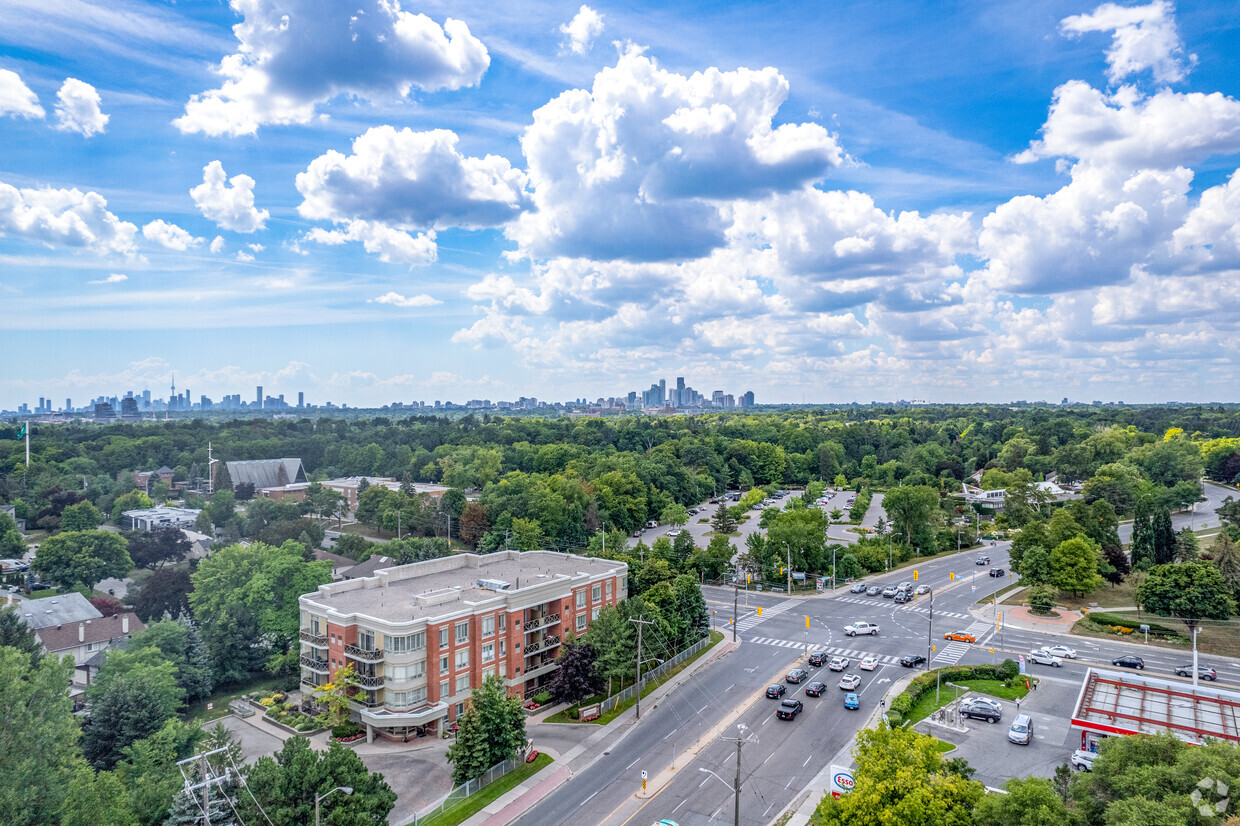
462	658
488	626
503	648
443	637
404	673
443	665
401	645
503	623
462	683
596	593
443	689
366	640
488	652
406	699
609	589
581	598
462	632
314	626
594	614
581	622
624	585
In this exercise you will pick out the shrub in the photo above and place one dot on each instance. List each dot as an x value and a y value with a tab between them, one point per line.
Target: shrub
574	713
347	729
1042	598
1009	669
542	697
1102	618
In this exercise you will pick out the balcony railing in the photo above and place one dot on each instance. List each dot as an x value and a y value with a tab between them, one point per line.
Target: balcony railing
314	664
309	683
369	681
542	622
314	639
366	700
545	644
369	655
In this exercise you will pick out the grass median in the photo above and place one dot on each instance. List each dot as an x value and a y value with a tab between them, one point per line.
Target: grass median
928	703
467	807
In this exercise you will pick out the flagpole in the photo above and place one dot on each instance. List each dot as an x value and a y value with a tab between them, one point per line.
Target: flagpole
27	429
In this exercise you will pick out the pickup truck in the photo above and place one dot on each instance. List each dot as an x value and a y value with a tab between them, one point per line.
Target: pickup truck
861	628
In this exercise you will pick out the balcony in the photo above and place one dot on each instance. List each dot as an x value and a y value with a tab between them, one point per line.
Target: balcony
316	665
542	622
545	644
366	700
308	682
400	717
369	655
318	640
369	681
389	680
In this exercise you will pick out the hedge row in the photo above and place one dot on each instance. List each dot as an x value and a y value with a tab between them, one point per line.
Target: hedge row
1103	618
904	702
861	503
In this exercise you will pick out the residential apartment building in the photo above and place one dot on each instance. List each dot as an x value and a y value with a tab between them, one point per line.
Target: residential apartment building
421	637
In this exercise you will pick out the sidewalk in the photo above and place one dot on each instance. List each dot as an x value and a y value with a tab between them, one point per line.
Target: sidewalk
524	796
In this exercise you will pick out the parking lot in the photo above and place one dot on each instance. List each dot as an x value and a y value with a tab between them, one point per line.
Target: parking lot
986	746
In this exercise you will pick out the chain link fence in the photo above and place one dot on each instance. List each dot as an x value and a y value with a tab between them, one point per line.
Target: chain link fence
653	674
466	789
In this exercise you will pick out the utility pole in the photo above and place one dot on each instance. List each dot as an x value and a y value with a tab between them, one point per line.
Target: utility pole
209	779
640	622
789	570
930	633
736	597
736	788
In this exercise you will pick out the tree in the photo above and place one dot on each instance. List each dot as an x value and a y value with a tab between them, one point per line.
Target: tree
336	694
473	524
713	561
165	592
1143	536
11	544
202	523
80	517
911	510
223	479
82	558
40	756
131	698
1032	801
282	530
576	677
244	492
615	645
675	515
97	797
179	643
723	522
1226	557
1163	537
149	773
1190	592
527	535
1042	598
901	779
286	784
15	633
1187	548
107	606
847	567
799	538
153	549
223	506
1074	566
1117	563
135	500
491	731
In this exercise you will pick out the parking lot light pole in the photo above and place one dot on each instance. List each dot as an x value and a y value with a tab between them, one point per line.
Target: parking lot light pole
321	797
930	634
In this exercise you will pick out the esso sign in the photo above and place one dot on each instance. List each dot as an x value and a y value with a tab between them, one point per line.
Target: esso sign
841	781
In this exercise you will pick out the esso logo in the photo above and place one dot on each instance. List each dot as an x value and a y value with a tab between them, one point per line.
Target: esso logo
844	781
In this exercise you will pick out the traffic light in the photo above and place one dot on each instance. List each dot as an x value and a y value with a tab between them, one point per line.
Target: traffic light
914	575
952	576
759	610
807	623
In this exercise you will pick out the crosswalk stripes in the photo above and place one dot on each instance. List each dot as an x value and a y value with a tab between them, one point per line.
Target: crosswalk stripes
779	608
915	608
951	653
851	653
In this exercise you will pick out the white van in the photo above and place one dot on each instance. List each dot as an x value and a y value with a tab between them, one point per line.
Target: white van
1021	732
652	524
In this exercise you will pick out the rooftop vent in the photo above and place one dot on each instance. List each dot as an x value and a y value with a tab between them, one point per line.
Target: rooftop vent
493	584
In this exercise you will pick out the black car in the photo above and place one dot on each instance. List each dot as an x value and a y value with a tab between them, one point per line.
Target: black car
903	597
983	560
796	675
1205	672
775	691
1129	661
982	708
912	660
818	659
815	688
789	709
998	572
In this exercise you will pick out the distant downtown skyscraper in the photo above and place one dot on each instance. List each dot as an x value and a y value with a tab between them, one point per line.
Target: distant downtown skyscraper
258	397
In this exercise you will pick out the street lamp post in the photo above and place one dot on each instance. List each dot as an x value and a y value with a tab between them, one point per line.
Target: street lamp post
735	790
321	797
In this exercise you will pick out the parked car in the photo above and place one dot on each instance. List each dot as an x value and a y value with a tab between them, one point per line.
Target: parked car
868	663
796	675
775	690
1129	661
983	560
652	524
912	660
850	681
818	659
1041	657
859	588
1060	651
1204	672
851	700
982	708
815	688
959	636
1083	760
838	663
789	709
873	591
693	511
997	572
636	533
1021	730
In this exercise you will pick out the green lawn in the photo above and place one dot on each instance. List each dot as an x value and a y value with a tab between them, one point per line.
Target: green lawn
943	746
469	806
607	717
927	705
198	712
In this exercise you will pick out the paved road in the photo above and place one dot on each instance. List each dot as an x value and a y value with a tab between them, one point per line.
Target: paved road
1201	516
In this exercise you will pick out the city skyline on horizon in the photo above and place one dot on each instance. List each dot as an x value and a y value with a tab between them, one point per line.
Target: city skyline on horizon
455	201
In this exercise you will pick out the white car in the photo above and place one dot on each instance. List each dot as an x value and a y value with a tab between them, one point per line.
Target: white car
1083	760
1041	657
838	663
862	627
849	682
868	663
1060	651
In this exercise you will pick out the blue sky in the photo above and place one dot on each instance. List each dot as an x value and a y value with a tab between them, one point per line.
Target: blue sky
381	201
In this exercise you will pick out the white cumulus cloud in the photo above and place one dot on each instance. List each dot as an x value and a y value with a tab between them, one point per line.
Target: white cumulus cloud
639	166
398	300
77	109
64	217
114	278
229	203
580	32
390	244
295	55
1143	37
410	180
170	236
16	99
217	244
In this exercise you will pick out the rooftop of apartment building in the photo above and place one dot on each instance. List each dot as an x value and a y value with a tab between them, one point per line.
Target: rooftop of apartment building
450	586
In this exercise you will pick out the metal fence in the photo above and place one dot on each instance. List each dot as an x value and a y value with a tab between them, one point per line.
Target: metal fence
466	789
654	674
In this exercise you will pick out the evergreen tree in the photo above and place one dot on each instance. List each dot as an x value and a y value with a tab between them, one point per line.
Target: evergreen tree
491	731
723	522
223	479
1117	562
363	485
1163	538
615	645
17	634
131	698
202	523
1187	548
1226	557
1142	536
